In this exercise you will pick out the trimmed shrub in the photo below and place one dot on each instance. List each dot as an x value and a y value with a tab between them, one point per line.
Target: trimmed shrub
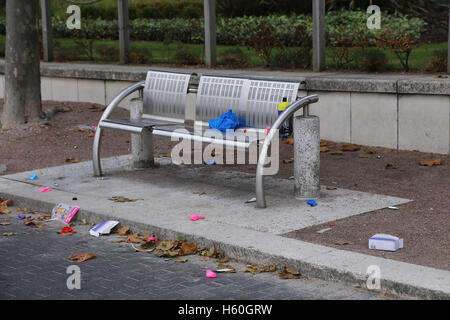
171	11
234	58
371	59
184	56
192	13
150	13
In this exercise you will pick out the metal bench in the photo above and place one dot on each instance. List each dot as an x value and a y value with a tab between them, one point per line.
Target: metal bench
164	96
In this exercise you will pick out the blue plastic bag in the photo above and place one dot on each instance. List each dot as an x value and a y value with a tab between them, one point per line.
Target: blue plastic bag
228	120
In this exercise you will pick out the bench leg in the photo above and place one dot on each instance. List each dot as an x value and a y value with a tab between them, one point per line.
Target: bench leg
96	152
141	145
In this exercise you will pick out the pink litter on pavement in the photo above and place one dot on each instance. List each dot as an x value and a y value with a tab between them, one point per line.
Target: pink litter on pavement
195	217
45	189
210	274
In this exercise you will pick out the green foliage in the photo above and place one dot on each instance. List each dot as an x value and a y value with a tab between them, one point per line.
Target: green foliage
290	58
171	11
150	13
192	13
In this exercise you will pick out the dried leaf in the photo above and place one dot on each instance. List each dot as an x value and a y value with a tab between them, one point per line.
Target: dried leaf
342	243
289	273
324	149
391	166
121	199
44	217
187	248
71	160
123	230
290	160
435	162
323	143
4	209
81	257
224	260
331	224
331	187
204	258
336	153
7	234
199	192
4	223
211	251
180	259
349	147
29	222
134	238
289	141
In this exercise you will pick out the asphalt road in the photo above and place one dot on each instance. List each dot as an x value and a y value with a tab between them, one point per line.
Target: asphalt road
34	265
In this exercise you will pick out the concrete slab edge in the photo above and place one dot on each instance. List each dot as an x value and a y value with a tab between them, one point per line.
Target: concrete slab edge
252	255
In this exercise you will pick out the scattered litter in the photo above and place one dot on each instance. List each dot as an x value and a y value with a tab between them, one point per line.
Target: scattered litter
56	185
64	212
180	259
225	268
331	187
385	242
153	238
199	192
436	162
7	234
4	223
103	228
209	162
74	198
291	177
87	128
227	120
378	156
331	224
4	206
122	199
66	231
33	177
267	130
255	269
251	200
21	217
393	208
45	189
142	250
210	274
324	230
311	202
194	217
81	257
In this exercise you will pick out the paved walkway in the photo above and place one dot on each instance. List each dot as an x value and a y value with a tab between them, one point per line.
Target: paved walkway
34	262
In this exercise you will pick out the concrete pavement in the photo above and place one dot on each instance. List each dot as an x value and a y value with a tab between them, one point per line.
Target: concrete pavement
245	233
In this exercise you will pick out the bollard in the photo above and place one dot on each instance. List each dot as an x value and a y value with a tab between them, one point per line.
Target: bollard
306	157
141	144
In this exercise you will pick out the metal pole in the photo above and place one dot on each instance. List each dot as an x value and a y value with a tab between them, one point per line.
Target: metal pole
47	32
210	32
318	35
448	43
124	30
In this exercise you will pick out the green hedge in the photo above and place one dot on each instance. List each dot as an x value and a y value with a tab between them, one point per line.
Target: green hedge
342	28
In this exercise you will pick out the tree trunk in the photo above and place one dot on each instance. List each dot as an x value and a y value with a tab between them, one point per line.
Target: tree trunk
22	58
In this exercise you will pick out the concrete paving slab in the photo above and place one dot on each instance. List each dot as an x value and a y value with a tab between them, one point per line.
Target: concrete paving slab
170	192
166	199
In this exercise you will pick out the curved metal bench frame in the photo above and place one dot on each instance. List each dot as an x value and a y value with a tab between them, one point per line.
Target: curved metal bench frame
259	186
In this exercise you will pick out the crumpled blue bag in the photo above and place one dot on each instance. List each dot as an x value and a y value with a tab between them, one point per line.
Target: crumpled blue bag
228	120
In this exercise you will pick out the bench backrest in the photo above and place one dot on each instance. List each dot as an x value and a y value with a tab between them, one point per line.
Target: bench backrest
165	93
254	101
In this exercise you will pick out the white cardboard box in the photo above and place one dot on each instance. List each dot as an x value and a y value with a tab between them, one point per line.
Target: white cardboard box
385	242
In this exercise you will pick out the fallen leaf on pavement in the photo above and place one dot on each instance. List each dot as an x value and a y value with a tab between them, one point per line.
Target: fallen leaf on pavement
288	273
199	192
7	234
331	187
349	147
123	230
391	166
121	199
95	108
435	162
289	141
342	243
81	257
29	222
331	224
288	160
44	217
180	259
4	223
187	248
324	149
71	160
336	153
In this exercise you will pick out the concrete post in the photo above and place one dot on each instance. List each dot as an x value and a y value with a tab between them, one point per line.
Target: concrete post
124	29
141	144
318	35
307	157
210	32
47	31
